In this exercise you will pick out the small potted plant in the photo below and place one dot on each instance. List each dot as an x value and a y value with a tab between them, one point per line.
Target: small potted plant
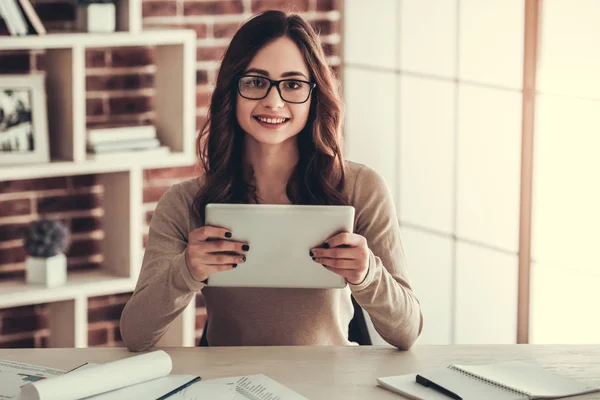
45	243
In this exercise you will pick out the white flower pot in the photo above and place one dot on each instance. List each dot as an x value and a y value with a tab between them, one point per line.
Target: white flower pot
49	272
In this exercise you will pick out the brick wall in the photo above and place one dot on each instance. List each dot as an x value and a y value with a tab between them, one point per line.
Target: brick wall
120	87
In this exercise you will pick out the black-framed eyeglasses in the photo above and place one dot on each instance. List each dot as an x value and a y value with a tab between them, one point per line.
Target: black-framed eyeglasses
256	87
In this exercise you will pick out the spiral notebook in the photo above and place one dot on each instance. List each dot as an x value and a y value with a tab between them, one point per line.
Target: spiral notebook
512	380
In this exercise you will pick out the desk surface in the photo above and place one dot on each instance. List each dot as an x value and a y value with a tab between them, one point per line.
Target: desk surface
333	372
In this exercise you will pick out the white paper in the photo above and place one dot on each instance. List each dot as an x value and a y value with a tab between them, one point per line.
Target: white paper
251	387
86	382
152	389
13	375
147	390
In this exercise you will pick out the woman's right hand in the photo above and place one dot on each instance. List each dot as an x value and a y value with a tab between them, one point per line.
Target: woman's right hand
211	250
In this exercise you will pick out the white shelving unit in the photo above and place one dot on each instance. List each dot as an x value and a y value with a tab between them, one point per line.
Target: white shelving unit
175	83
129	15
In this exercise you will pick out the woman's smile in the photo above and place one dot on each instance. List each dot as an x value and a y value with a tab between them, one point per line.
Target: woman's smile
271	122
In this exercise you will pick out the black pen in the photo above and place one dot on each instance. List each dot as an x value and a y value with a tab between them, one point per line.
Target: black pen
426	382
79	366
179	389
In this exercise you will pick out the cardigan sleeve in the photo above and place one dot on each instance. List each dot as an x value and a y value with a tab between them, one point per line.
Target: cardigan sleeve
385	293
165	285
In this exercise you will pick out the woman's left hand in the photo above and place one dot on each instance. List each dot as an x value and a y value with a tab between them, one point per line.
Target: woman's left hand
346	254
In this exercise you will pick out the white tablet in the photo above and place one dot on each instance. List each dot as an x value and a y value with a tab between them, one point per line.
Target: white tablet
280	238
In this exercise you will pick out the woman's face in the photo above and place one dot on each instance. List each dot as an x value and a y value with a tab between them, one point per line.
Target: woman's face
272	120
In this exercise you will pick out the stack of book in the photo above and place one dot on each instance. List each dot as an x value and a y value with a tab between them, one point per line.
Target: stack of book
20	17
130	141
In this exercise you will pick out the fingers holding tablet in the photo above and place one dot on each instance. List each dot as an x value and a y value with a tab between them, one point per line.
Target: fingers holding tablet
346	254
206	232
210	250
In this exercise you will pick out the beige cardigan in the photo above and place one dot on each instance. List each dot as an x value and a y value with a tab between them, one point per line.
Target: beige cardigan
264	316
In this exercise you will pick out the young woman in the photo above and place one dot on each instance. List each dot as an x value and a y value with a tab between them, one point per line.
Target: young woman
273	137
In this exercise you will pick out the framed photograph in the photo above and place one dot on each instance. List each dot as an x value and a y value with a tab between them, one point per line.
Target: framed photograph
23	120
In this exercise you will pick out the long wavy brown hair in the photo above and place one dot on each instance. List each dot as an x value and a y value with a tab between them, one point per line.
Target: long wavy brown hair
318	177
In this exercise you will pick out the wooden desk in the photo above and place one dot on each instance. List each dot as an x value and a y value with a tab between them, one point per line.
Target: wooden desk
332	372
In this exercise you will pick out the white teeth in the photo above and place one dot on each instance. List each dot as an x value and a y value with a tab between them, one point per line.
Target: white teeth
272	120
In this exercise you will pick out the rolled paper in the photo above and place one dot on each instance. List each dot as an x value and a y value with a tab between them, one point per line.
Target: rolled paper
101	378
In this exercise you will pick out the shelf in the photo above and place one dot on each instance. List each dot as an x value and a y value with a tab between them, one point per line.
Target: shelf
79	284
175	80
71	168
90	40
121	178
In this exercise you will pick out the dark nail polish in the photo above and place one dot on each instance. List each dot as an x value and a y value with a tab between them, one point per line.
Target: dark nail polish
244	258
227	234
234	265
324	265
326	245
245	247
314	258
311	254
